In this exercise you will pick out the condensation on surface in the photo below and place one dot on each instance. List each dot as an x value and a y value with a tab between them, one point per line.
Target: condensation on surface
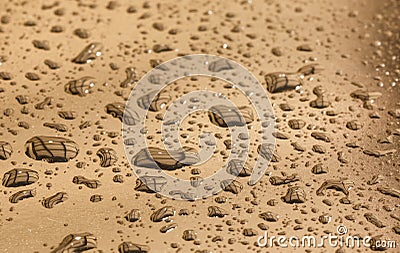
330	68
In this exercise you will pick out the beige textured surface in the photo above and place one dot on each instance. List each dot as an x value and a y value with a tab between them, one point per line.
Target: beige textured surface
350	39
